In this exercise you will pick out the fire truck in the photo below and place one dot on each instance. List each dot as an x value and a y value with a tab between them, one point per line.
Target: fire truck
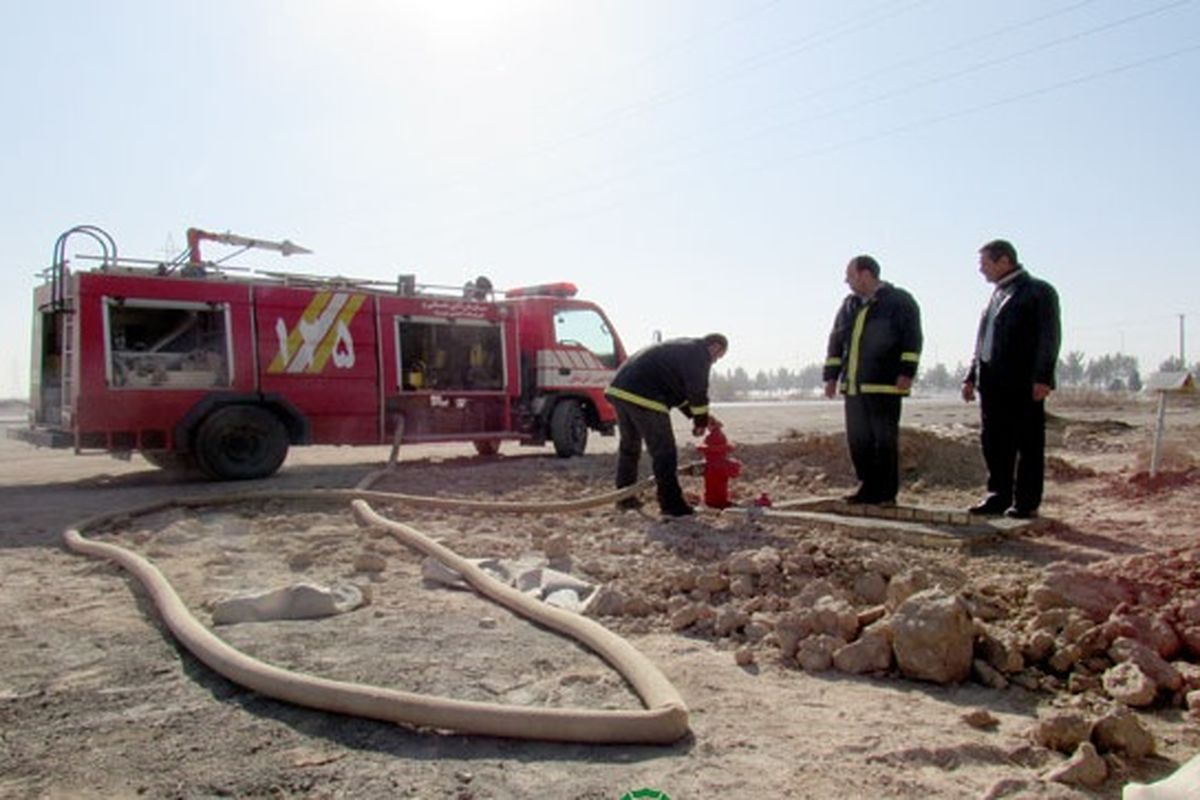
197	365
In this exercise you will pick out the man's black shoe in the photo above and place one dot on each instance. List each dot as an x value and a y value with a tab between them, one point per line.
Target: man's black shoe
632	503
678	511
1021	513
990	507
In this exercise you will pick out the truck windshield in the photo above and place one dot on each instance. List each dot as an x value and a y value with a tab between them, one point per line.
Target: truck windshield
585	327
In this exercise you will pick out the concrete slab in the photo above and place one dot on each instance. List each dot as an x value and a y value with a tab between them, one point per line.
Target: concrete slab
923	527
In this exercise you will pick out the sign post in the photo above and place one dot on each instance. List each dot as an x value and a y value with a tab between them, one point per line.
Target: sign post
1166	383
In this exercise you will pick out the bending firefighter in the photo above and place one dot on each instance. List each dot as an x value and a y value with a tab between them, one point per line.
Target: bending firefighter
874	349
645	389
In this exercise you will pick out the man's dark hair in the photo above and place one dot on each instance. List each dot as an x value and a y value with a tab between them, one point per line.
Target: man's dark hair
1001	248
717	338
866	263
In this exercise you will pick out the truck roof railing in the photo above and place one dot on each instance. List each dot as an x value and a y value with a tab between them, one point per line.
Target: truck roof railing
59	264
189	264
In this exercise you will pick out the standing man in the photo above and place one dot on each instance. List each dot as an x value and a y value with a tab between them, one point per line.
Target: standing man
874	347
646	387
1016	352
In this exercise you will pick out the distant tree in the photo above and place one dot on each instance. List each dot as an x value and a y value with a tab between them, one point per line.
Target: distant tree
810	377
937	377
762	381
1172	364
1127	369
720	387
1114	372
1071	369
1099	371
740	381
784	380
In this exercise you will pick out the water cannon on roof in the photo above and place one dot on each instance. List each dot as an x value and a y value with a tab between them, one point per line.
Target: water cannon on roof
195	236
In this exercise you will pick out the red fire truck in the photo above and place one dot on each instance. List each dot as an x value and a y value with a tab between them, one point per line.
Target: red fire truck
196	365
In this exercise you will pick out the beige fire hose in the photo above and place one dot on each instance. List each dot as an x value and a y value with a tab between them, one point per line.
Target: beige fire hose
664	720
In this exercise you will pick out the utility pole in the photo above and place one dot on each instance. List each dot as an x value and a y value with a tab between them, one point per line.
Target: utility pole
1182	352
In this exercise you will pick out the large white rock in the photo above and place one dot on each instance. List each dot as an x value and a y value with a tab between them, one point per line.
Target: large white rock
1182	784
298	601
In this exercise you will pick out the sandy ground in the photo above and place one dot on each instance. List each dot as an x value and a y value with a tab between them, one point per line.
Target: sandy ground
97	700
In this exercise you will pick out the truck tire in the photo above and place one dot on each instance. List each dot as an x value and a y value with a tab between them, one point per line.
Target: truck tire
568	429
241	442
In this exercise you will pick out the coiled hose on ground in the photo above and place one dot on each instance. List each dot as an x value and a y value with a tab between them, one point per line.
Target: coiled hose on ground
664	720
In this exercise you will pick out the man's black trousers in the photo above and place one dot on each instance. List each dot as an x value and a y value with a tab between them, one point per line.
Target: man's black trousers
1014	445
637	424
873	433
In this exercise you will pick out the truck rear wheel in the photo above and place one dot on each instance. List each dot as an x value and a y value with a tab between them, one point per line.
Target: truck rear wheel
241	442
568	429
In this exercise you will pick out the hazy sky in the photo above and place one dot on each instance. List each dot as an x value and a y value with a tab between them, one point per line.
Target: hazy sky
692	165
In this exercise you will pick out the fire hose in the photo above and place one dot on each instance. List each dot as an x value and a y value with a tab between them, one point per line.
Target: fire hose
664	720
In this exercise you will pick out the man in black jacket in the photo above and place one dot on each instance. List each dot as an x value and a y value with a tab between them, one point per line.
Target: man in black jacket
1016	352
874	348
646	387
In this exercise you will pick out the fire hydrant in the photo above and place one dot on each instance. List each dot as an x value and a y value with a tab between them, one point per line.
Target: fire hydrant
718	467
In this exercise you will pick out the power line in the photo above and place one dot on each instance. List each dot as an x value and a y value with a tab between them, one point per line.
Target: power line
880	135
752	63
978	66
997	61
890	68
614	178
1048	89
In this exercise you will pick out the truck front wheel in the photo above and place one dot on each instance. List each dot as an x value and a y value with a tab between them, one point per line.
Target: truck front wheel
568	429
241	442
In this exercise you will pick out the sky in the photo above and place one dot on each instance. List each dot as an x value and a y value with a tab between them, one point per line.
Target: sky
692	165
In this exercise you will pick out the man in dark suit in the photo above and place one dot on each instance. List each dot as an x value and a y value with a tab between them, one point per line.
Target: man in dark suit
1016	352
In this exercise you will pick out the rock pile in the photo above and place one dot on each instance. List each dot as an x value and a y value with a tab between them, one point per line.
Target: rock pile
1075	630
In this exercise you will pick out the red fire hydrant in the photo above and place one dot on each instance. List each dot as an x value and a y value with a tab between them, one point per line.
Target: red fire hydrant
718	467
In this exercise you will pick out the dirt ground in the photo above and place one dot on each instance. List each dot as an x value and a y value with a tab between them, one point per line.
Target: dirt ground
98	700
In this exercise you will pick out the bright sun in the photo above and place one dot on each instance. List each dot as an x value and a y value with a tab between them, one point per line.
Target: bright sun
458	24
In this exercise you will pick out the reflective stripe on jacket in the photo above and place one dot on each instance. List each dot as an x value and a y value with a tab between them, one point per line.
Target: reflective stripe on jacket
666	375
874	342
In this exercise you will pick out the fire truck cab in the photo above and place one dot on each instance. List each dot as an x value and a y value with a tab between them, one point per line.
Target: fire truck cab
197	366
